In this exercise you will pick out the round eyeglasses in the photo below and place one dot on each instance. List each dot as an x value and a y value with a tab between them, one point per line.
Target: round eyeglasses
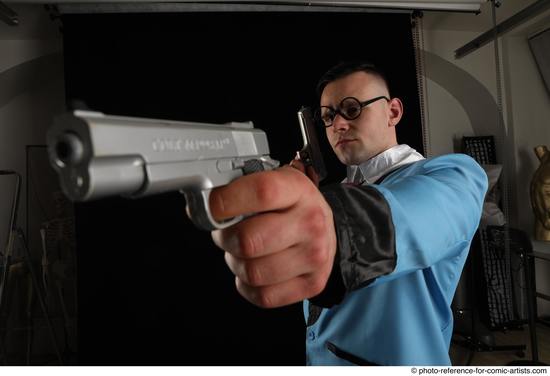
349	108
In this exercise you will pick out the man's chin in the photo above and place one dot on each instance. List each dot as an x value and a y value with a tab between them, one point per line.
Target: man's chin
350	160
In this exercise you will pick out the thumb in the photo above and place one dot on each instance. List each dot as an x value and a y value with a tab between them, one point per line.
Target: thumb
298	165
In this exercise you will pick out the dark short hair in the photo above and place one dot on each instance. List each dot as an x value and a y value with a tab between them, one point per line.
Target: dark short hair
343	69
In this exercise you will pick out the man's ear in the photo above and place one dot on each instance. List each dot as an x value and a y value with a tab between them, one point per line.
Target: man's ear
396	111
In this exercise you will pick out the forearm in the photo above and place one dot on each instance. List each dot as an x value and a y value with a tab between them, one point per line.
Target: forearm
416	218
366	240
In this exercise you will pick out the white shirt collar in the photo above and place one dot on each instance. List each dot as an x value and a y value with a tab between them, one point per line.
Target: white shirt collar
370	171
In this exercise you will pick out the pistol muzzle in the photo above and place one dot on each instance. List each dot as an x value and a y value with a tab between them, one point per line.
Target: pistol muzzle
68	149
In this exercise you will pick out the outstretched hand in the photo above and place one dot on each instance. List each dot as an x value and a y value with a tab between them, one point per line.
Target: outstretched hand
285	251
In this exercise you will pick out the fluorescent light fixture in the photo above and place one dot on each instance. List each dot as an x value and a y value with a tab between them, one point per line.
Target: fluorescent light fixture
442	5
523	15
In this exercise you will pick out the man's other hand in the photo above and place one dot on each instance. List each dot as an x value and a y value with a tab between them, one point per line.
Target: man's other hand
284	252
309	170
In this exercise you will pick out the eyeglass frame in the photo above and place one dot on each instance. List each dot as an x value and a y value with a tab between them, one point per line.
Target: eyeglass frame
337	111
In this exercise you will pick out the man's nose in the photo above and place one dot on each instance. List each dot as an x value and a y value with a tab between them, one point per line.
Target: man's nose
339	124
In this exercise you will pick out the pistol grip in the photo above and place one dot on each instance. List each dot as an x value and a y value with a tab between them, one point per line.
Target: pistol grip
199	211
198	199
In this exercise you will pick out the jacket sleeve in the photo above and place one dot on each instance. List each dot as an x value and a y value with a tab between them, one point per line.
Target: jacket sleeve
414	219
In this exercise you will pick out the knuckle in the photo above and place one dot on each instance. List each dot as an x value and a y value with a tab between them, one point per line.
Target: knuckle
267	189
318	255
252	274
316	221
246	244
264	299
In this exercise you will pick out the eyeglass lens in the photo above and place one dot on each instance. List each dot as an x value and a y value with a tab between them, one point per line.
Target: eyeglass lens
349	108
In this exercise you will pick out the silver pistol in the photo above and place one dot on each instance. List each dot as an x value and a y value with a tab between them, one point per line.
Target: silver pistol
97	155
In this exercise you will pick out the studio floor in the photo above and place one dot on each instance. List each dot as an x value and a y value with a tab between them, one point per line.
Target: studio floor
460	354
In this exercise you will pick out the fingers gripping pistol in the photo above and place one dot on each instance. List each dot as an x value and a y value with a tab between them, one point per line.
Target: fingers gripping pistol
97	155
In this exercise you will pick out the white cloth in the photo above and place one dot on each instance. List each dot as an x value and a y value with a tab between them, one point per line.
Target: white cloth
370	171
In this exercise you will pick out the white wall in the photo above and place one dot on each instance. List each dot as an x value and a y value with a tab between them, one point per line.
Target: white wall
447	117
458	103
31	87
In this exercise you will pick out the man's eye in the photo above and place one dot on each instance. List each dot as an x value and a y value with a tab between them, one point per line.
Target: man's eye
352	111
327	116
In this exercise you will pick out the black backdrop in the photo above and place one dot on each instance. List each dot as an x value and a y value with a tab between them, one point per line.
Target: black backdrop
153	289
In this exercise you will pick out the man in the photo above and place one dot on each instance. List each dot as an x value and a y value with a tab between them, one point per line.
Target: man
376	260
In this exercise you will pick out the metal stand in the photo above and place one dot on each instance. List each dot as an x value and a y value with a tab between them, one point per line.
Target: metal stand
17	235
478	338
531	309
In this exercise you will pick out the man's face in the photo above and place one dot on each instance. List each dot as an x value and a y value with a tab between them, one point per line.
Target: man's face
355	141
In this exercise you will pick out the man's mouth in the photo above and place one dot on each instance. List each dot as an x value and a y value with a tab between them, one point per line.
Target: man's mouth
343	142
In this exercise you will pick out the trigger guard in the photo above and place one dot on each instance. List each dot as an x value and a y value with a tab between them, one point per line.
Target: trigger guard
199	211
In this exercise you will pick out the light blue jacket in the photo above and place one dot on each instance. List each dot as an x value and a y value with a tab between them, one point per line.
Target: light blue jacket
402	316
